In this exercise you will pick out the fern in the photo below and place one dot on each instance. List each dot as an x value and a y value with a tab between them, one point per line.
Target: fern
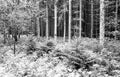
78	59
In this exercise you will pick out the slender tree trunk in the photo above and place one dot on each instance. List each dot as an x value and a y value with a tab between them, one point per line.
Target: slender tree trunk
80	22
70	13
55	19
42	28
116	19
32	26
64	22
9	33
38	28
35	25
47	33
91	18
102	23
14	47
4	33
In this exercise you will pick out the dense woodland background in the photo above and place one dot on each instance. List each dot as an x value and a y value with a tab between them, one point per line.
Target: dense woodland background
59	38
62	18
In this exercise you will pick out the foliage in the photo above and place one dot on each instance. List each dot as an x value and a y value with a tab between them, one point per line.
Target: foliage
86	57
80	57
66	59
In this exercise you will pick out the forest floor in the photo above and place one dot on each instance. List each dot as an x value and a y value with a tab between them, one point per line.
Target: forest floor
40	58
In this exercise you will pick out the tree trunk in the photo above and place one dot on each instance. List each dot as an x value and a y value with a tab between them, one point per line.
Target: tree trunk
70	13
41	28
14	47
116	19
80	22
102	23
4	33
38	27
34	25
64	23
9	33
91	18
55	21
47	33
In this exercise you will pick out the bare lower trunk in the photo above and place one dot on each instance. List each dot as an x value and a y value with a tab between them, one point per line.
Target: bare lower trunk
38	27
4	34
102	24
47	33
91	18
55	19
116	19
69	35
64	24
14	47
80	23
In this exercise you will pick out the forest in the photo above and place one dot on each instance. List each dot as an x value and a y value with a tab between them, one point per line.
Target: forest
59	38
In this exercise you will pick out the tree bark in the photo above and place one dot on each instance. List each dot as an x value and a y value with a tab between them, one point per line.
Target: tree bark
4	33
14	47
116	19
55	21
47	33
34	25
80	22
70	13
91	18
38	28
64	23
102	23
41	27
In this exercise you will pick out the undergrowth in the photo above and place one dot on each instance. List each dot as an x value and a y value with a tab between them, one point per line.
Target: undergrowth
80	58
